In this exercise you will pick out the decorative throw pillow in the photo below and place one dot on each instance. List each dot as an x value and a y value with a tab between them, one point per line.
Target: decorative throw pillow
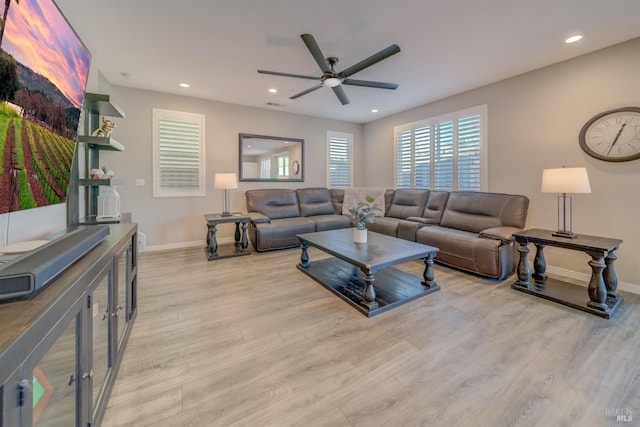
353	196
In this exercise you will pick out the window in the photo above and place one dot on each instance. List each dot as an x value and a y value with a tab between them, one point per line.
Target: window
178	154
340	159
282	160
443	153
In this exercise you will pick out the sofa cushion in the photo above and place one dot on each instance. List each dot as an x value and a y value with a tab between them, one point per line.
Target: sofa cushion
330	222
337	196
315	201
435	206
273	203
477	211
406	203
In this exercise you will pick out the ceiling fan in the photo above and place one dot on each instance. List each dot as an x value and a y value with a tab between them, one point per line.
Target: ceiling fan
333	79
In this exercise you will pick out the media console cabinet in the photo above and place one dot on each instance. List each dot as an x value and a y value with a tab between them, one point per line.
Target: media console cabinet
60	350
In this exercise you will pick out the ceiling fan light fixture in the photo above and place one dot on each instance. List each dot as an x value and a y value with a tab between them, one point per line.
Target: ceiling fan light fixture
332	82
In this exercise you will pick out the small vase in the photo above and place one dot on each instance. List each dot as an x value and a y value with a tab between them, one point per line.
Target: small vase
360	236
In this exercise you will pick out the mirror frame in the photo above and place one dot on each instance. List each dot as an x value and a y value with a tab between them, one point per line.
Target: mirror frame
295	164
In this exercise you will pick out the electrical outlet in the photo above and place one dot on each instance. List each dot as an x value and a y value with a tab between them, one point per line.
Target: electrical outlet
139	182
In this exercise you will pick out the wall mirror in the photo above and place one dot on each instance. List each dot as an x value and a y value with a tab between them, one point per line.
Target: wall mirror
271	158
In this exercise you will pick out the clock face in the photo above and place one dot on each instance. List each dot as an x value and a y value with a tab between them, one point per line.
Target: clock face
613	135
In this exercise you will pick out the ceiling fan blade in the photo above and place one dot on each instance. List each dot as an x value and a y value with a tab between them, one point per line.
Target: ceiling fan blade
366	83
298	76
316	52
304	92
341	95
376	57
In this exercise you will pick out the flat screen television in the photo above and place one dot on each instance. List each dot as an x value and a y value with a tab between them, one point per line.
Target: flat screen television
44	68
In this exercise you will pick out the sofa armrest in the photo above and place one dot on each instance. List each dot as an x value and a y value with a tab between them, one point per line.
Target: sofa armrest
500	233
421	220
258	218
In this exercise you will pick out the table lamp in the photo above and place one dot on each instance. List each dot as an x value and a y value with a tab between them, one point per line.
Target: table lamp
226	182
564	181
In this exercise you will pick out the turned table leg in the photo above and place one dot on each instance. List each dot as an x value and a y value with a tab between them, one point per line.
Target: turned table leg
428	277
369	294
304	256
609	275
524	272
539	264
597	288
212	243
236	236
244	241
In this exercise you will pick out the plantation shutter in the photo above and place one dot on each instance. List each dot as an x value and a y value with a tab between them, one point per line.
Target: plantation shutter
443	153
443	157
340	159
179	154
422	157
469	153
403	159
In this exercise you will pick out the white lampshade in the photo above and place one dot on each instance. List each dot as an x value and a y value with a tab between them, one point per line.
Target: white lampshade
332	82
565	180
225	181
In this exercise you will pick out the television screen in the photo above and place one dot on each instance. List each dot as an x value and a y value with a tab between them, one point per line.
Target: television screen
44	68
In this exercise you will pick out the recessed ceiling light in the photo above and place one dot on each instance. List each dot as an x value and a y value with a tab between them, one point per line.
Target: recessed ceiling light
573	39
273	90
375	110
184	84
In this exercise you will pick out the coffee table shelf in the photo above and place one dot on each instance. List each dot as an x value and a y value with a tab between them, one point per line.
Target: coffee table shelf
362	273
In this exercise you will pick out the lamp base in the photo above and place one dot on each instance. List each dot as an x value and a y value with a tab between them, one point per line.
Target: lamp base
225	214
565	234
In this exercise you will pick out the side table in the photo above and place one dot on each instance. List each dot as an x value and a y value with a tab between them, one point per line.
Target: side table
603	299
241	244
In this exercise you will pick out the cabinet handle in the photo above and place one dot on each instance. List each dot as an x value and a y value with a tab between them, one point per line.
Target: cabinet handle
86	375
24	386
118	308
71	380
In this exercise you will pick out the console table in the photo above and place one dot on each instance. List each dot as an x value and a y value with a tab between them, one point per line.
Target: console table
241	244
603	299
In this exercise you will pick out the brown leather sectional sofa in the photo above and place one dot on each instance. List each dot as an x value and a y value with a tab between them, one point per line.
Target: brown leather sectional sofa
472	229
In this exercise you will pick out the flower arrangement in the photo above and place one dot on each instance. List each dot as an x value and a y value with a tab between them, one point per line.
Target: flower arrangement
363	212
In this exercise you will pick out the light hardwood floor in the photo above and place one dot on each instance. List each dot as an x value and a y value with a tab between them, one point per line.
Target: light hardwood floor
251	341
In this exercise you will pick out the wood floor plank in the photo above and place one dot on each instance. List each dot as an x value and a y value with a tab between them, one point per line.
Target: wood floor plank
252	341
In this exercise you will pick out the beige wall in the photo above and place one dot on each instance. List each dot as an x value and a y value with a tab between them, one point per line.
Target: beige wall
534	120
169	222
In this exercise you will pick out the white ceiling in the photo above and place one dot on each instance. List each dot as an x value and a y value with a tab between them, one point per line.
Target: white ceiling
448	46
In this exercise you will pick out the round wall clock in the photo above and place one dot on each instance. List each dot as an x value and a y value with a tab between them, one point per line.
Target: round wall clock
613	136
295	166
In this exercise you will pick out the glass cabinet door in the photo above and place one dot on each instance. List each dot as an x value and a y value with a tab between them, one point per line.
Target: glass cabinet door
122	297
51	387
101	314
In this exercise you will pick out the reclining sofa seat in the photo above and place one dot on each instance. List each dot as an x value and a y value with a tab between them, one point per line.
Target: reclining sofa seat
410	210
475	232
278	215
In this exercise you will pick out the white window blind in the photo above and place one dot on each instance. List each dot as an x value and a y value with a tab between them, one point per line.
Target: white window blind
178	149
443	153
340	159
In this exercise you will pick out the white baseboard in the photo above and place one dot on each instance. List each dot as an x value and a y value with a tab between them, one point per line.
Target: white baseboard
184	245
584	278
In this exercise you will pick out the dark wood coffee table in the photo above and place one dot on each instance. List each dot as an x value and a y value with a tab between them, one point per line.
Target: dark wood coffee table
361	273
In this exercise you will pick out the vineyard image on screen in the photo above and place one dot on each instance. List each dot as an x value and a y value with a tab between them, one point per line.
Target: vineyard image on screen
43	75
